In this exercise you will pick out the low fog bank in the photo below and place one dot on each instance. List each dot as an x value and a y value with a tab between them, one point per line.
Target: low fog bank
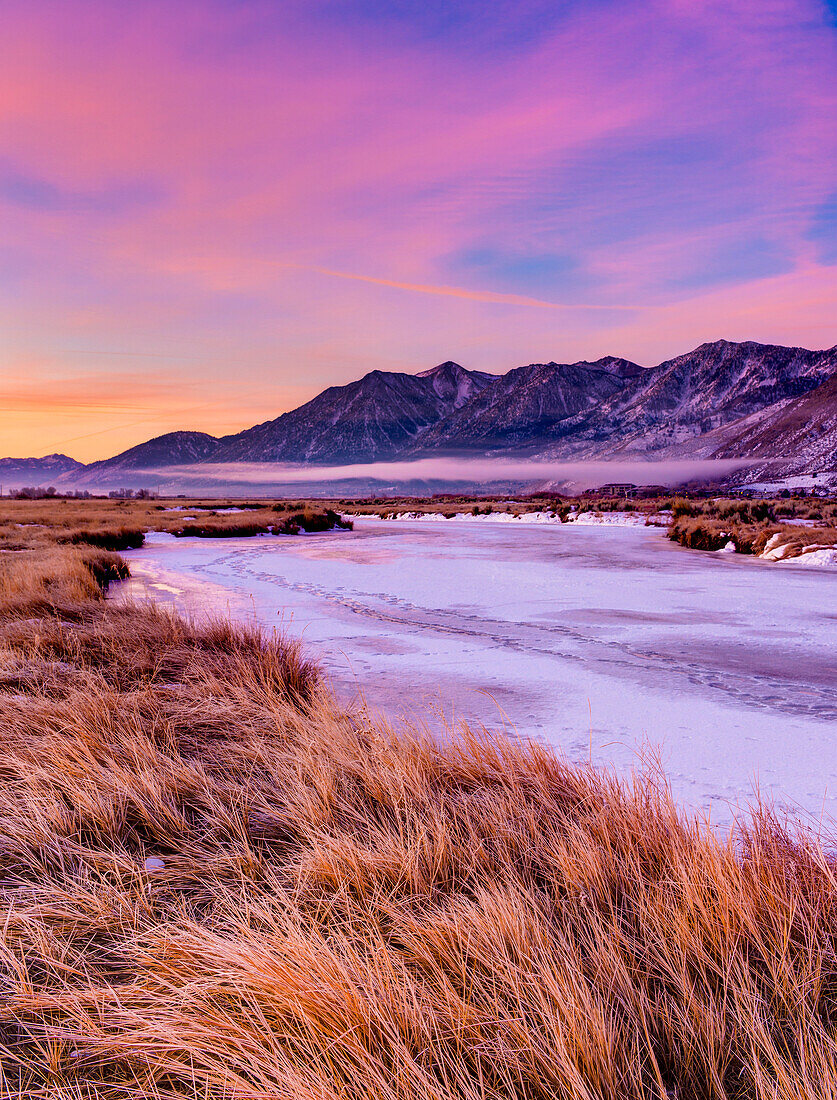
478	471
430	475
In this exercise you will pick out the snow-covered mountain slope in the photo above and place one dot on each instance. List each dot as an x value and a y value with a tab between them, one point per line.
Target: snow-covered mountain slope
525	407
686	397
56	464
792	437
454	385
683	398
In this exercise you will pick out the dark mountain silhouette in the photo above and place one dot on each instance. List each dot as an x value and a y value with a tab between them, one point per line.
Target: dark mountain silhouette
373	419
171	449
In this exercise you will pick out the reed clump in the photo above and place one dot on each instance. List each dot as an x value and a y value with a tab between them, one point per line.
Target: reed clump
217	882
316	521
225	526
106	538
706	533
221	527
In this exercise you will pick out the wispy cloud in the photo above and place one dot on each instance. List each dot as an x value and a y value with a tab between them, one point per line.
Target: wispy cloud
461	292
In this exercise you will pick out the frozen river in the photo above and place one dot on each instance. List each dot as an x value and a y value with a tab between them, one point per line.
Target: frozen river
606	642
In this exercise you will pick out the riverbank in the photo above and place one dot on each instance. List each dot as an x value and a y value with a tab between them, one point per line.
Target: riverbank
540	518
801	542
216	881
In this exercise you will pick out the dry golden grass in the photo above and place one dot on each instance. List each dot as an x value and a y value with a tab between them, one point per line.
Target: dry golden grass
36	579
120	524
339	911
699	533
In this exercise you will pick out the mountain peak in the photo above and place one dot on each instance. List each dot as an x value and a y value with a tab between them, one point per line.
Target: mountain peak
448	367
172	449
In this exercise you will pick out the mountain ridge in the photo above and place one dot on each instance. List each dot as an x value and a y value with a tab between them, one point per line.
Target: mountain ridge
685	397
369	420
172	449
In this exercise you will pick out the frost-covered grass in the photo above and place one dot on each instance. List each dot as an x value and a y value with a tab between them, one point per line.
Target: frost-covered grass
216	882
584	517
767	538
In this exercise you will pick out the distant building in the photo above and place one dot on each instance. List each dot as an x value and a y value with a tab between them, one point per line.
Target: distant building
653	491
618	489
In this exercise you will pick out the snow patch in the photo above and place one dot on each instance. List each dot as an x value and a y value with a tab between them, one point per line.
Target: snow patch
438	517
586	519
815	554
607	519
820	555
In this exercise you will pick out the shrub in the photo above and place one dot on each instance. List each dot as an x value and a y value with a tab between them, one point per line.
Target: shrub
313	522
698	534
222	528
680	506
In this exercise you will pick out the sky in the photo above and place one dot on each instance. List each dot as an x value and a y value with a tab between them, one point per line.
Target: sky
211	210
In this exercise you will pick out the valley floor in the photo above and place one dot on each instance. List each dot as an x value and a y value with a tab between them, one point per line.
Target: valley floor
219	882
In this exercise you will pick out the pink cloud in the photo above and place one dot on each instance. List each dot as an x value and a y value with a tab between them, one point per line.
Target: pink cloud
318	185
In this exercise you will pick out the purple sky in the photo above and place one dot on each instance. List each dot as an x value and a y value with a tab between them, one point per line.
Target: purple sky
211	210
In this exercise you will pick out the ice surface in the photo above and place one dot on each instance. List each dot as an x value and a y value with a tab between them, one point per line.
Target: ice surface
601	640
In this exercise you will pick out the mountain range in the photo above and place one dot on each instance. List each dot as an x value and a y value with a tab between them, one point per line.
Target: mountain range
17	471
772	404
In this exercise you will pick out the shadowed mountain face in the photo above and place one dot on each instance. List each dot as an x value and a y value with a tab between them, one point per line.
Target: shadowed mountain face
683	398
795	435
525	407
172	449
373	419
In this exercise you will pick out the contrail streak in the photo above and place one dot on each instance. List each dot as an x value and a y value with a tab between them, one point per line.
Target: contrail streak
459	292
